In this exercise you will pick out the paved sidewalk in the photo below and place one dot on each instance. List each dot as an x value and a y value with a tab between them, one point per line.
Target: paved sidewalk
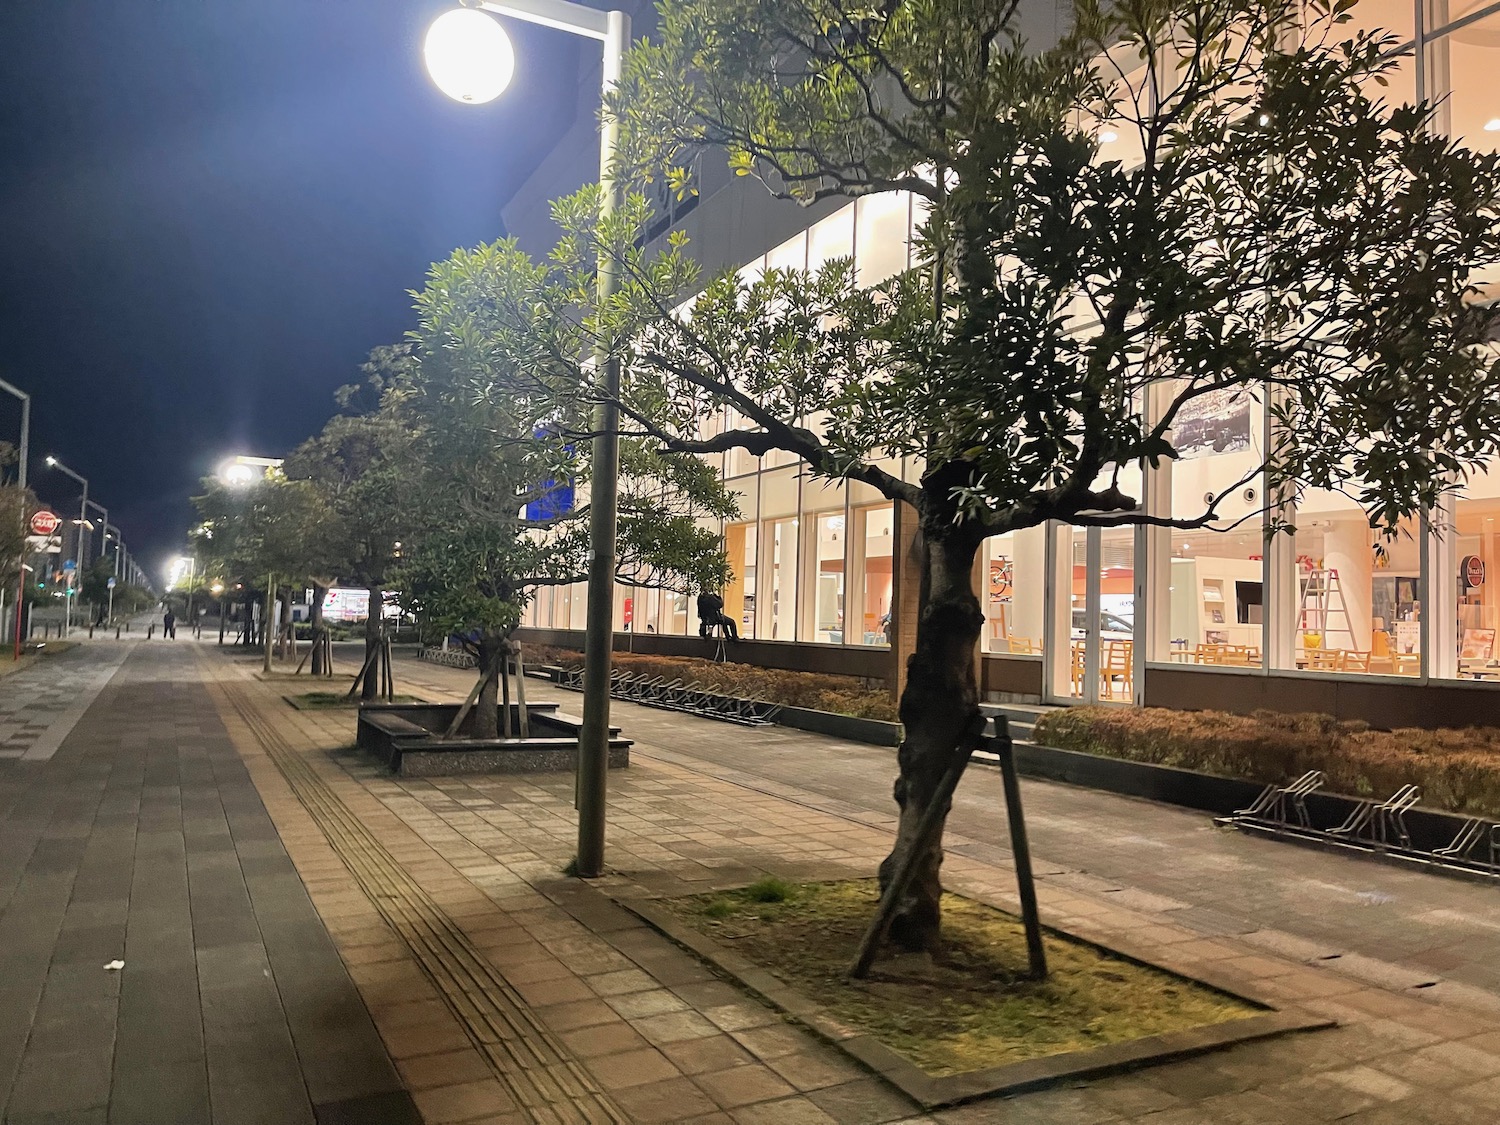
41	704
307	939
143	840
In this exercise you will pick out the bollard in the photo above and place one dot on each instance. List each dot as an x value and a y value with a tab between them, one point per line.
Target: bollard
127	626
91	630
117	632
150	631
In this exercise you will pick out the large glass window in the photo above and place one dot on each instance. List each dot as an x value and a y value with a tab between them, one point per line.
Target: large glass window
1357	607
827	603
1476	558
880	233
1015	567
871	573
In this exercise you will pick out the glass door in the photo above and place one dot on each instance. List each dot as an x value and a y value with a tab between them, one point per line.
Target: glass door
1094	658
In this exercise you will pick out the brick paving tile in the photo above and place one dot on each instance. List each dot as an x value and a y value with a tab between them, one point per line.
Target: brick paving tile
673	1099
463	1102
448	1068
790	1111
632	1068
742	1085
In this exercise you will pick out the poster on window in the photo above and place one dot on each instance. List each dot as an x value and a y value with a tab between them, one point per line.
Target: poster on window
1216	422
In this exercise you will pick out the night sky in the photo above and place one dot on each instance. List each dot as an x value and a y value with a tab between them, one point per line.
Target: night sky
210	211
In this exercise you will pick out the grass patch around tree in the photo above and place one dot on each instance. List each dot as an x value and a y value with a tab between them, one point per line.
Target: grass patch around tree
971	1010
842	695
1456	769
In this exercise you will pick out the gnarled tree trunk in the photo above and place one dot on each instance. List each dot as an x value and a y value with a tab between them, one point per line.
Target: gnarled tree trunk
370	688
940	712
319	593
487	709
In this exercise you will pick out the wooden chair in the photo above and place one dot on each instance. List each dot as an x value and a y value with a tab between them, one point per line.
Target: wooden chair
1408	663
1078	669
1357	661
1116	661
1326	659
1022	645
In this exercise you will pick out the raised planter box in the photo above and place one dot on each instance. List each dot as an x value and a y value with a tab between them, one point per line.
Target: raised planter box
876	732
406	737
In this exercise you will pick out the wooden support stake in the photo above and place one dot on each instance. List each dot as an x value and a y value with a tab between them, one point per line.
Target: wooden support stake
363	672
1036	953
468	705
505	690
521	694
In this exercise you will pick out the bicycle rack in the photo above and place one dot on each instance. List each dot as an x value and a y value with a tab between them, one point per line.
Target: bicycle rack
674	695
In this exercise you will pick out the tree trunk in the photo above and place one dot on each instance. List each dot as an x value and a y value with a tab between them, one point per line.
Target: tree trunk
940	712
487	709
247	607
319	592
371	686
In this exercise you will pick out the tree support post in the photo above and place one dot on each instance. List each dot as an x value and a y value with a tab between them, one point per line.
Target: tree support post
268	634
1036	954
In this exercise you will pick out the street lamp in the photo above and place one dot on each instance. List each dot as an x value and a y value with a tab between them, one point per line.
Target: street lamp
25	454
83	518
241	470
469	63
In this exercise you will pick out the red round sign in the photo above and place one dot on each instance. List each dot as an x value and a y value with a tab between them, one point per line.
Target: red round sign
44	522
1471	567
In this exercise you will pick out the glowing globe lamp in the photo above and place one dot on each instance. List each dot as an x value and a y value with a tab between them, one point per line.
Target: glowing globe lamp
469	56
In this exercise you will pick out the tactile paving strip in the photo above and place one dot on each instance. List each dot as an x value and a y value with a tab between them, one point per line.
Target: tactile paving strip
540	1074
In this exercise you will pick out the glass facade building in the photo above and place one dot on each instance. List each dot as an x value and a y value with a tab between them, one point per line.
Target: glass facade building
1090	614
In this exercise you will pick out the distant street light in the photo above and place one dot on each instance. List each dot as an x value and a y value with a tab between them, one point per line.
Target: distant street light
474	63
83	518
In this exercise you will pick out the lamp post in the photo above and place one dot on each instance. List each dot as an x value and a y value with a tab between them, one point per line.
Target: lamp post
103	523
83	518
470	59
24	455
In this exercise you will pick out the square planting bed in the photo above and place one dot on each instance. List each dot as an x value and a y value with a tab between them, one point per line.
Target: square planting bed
968	1028
407	737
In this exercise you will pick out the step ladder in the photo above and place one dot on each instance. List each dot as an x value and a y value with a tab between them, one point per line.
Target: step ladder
1323	610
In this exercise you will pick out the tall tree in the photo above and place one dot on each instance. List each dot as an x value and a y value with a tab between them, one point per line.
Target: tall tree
1279	232
271	529
499	459
362	466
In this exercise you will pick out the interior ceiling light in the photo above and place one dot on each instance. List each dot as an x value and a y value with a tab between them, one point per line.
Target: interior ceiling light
1492	125
1109	136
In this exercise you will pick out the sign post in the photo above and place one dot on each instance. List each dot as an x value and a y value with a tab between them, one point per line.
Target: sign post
43	523
110	619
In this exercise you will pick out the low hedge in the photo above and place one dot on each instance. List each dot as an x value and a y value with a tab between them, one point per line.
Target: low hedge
843	695
1456	769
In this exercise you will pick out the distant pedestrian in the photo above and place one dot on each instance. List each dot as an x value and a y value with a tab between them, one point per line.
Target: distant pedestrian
169	626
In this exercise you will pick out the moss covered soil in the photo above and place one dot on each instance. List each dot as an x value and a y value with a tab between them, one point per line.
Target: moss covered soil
971	1009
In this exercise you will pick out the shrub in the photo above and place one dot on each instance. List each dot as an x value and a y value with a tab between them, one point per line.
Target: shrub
1458	770
844	695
